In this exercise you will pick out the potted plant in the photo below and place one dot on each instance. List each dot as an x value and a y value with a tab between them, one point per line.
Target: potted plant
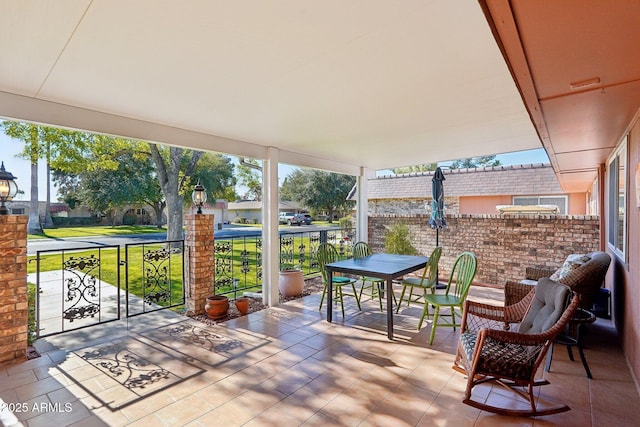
217	306
242	304
291	281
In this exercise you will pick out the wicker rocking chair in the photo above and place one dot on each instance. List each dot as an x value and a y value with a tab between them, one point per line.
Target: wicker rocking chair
488	352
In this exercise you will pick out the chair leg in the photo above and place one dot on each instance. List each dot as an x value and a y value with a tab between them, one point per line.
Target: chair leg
425	312
364	284
341	300
547	365
355	295
581	351
398	304
379	290
434	325
324	292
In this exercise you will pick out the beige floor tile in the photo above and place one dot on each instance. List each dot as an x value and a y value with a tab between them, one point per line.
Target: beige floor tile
183	411
291	367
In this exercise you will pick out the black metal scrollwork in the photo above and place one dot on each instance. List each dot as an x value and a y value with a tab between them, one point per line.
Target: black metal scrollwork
80	289
156	285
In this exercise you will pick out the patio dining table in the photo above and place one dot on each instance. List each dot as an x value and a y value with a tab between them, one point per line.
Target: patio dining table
383	266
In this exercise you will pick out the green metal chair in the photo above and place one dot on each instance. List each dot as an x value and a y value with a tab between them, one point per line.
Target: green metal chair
428	280
361	250
326	254
463	272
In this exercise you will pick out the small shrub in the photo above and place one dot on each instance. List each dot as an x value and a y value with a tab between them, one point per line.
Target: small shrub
346	223
397	240
128	219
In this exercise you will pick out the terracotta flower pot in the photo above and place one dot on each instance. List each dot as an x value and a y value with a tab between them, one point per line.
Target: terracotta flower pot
217	306
291	283
242	304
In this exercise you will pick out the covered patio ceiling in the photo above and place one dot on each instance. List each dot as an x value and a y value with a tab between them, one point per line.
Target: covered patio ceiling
366	83
332	84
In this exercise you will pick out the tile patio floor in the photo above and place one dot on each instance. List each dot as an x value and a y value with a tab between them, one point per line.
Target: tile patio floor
287	366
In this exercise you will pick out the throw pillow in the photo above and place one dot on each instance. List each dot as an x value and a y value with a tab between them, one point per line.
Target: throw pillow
572	262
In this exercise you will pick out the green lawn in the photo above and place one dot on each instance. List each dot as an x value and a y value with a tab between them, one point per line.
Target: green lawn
109	267
58	233
239	259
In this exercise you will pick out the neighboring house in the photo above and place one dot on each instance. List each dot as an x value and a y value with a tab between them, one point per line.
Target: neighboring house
474	191
219	209
251	210
21	207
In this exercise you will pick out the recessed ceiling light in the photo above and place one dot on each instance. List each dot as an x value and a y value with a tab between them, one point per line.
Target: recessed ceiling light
584	83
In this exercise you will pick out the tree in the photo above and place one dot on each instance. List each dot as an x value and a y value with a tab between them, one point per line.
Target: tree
319	190
174	167
128	177
216	173
475	162
416	168
37	143
293	185
249	175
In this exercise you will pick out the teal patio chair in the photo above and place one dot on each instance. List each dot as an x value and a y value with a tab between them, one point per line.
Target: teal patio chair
462	273
427	281
361	250
326	254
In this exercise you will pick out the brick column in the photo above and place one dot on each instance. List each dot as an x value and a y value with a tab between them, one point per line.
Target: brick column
201	266
13	288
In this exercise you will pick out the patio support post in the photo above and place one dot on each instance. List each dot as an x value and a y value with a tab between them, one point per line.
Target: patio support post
13	293
362	206
270	235
200	274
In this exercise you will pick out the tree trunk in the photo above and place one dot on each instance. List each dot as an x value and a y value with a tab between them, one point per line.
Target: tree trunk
48	221
170	183
33	226
158	208
174	220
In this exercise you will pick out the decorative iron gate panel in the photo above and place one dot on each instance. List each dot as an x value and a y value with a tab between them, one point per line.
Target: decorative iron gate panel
78	288
154	276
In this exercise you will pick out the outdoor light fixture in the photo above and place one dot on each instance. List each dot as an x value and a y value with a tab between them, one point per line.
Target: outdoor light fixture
8	189
199	196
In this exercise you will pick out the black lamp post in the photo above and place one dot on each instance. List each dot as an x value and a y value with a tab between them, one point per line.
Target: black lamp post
8	189
199	196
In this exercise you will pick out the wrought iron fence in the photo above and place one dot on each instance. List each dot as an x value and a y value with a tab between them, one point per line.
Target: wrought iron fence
154	276
238	260
76	289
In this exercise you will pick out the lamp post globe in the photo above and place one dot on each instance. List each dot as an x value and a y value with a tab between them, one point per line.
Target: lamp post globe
8	189
199	196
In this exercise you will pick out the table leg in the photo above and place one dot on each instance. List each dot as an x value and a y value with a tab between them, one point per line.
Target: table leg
389	310
330	297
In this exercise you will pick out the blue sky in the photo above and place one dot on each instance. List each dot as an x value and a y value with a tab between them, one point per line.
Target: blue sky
22	169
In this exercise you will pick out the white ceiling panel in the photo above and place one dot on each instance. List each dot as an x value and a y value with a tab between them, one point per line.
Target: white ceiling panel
368	83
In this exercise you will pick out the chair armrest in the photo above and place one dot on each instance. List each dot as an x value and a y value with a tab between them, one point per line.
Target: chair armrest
536	273
514	292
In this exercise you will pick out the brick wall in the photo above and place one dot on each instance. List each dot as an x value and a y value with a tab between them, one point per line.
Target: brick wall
13	288
504	245
200	266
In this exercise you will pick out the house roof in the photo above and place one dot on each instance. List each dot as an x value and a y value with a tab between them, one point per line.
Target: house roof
497	180
257	205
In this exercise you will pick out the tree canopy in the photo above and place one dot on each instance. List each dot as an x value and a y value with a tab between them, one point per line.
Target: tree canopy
318	190
472	162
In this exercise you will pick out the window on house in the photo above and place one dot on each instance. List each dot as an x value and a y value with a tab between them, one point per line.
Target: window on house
617	199
559	201
17	211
